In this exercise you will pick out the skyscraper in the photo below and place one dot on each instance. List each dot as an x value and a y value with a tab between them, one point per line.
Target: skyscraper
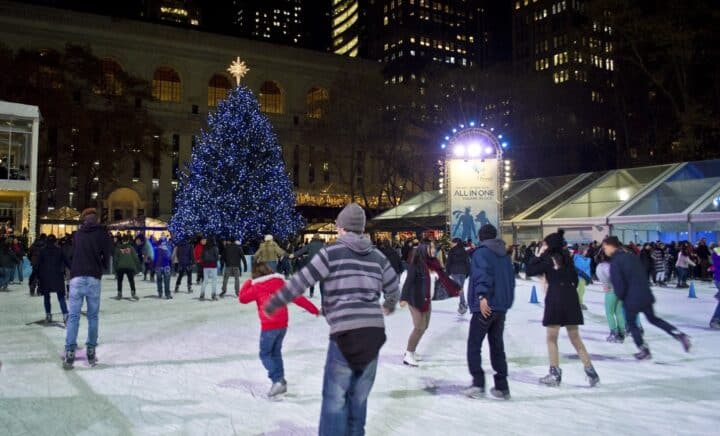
279	21
173	11
566	47
346	27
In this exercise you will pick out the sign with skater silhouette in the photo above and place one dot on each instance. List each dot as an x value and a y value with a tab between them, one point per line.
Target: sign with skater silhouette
473	195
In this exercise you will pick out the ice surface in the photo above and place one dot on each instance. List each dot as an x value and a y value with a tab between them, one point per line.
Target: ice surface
190	367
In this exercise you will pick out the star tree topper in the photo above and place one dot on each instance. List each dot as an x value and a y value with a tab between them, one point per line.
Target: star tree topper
238	69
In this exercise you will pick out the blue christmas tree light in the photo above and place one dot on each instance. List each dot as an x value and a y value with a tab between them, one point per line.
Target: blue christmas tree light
236	185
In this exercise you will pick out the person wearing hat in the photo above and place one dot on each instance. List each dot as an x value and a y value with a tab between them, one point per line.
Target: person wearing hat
91	256
269	252
355	273
491	293
562	304
632	288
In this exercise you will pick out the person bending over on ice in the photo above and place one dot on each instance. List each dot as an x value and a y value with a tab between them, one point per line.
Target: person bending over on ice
264	284
562	305
631	287
355	274
491	294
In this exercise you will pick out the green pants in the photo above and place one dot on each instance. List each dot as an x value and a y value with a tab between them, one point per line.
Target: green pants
581	290
614	313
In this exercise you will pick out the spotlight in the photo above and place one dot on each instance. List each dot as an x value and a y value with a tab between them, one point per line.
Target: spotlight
459	151
474	150
488	150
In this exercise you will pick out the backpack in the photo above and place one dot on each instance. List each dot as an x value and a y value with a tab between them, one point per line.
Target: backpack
209	255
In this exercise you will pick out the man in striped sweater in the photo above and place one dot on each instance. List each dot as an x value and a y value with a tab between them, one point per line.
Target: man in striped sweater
354	274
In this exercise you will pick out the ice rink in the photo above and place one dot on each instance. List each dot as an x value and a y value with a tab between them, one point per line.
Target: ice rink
185	367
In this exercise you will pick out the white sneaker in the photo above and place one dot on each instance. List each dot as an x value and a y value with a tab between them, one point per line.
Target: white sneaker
276	389
409	359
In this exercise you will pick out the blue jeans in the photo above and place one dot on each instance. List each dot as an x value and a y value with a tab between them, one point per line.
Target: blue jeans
460	279
209	275
162	276
682	274
271	353
345	394
83	288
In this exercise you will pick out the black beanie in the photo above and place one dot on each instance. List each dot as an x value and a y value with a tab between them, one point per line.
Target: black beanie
555	241
488	231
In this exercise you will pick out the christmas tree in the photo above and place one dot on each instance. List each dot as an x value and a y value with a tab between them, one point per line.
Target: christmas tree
235	185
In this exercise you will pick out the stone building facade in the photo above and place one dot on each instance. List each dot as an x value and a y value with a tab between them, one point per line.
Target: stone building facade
187	71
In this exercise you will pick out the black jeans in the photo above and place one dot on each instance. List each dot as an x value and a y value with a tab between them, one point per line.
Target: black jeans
184	271
652	319
61	300
493	327
130	273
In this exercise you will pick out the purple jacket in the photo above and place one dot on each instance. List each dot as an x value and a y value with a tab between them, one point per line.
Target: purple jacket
716	266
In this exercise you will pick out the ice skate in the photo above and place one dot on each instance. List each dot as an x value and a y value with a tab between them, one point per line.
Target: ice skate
168	297
474	392
684	340
612	338
462	309
644	353
277	389
65	318
214	297
620	338
202	297
222	294
409	359
592	376
118	296
553	379
501	395
69	360
91	358
715	324
48	318
134	296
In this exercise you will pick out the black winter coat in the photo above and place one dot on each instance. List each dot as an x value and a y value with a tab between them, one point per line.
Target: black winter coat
51	268
458	261
630	282
416	290
393	257
233	256
562	304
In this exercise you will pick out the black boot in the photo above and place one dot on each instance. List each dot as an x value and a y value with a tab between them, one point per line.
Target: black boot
644	353
48	318
69	360
92	359
134	296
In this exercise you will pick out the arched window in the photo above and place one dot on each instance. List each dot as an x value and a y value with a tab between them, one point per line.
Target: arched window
316	102
218	88
166	85
271	98
110	82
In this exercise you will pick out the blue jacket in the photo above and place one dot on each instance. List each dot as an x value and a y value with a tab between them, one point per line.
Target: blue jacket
163	255
630	281
491	276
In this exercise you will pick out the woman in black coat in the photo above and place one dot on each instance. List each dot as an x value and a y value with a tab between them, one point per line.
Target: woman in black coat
51	276
562	305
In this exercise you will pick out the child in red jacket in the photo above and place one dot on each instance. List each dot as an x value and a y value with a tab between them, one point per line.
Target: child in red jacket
260	289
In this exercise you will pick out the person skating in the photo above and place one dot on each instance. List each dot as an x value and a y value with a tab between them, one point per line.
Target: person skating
149	258
491	293
715	321
582	266
417	292
264	284
660	261
8	262
126	263
269	253
91	255
562	305
51	276
458	268
33	254
613	307
183	253
355	274
682	266
234	259
631	287
163	267
310	250
209	256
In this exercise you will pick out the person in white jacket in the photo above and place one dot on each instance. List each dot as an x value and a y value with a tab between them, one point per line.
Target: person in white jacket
613	307
683	265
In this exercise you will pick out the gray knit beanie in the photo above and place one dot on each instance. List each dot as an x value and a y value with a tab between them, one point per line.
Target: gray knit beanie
351	218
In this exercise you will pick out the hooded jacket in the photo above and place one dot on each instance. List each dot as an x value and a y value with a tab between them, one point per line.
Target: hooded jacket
260	290
491	276
354	274
269	251
91	251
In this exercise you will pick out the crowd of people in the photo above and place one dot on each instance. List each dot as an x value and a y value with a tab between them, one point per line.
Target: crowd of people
360	282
